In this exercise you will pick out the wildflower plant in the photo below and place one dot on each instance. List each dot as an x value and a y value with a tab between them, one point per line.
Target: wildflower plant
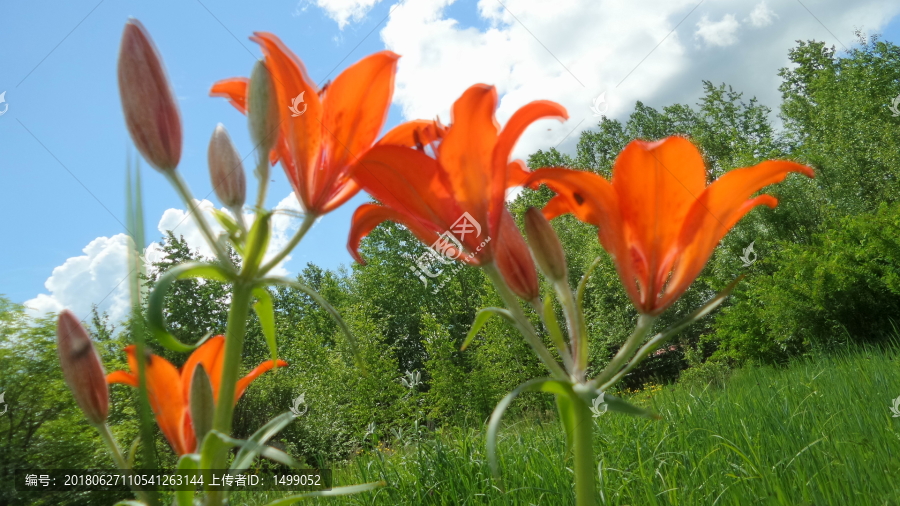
194	404
658	218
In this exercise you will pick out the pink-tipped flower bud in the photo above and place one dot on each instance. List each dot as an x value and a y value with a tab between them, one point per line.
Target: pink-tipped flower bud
82	368
514	260
226	170
147	100
262	115
545	246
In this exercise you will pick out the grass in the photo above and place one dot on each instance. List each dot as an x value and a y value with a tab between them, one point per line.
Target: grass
819	432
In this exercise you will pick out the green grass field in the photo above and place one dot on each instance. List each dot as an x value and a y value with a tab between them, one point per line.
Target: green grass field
819	432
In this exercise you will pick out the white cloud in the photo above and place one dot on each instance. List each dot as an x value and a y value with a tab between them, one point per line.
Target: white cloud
762	15
718	33
100	275
342	11
570	51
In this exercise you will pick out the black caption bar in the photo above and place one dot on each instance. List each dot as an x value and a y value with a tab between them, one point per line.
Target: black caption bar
115	480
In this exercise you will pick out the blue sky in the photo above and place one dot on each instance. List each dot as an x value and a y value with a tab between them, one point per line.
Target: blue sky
65	144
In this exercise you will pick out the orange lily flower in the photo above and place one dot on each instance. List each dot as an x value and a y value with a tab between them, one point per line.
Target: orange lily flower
658	218
322	132
460	188
169	389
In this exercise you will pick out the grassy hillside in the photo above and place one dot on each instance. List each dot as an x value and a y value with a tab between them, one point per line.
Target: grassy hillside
819	432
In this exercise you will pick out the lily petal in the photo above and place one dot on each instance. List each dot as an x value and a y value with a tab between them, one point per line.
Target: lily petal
467	150
411	183
414	134
717	210
211	355
355	107
506	141
303	133
234	89
657	183
123	378
255	373
164	391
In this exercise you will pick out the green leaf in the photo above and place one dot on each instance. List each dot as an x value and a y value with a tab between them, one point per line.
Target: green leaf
257	242
255	445
567	416
556	334
582	285
130	502
482	317
232	228
213	444
350	489
265	310
536	385
156	320
308	290
188	462
616	404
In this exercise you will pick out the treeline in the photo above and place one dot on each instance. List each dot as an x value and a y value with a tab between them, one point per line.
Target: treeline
824	273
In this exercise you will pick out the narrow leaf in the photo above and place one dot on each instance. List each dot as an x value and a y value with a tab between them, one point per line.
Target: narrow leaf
541	384
188	462
256	443
350	489
481	318
156	320
308	290
265	310
556	335
567	417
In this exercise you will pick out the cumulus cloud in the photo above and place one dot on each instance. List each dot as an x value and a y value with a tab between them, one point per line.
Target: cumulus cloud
100	275
720	33
762	15
342	11
571	51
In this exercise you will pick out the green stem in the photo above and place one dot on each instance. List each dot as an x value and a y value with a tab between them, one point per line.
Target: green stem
308	220
522	323
113	446
185	194
117	456
262	174
577	340
234	346
583	440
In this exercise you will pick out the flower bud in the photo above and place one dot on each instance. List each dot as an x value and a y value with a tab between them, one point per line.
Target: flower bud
147	101
202	403
81	368
545	246
226	170
262	113
514	260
